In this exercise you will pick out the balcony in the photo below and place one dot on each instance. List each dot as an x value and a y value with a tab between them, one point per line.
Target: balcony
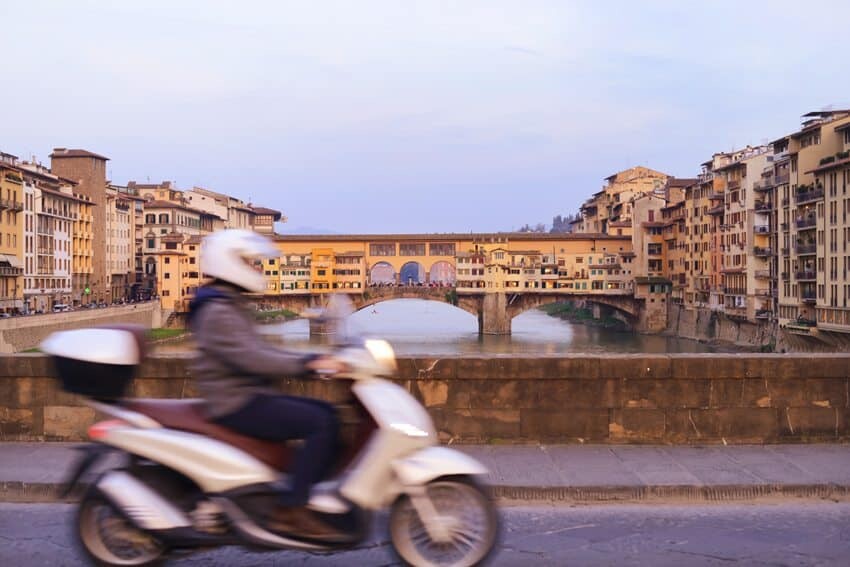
808	195
763	185
718	210
764	314
806	275
762	252
715	197
781	178
763	206
807	222
11	205
762	293
734	184
734	291
808	297
807	249
9	271
761	229
762	274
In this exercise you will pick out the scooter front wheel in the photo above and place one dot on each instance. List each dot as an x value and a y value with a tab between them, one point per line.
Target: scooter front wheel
466	519
107	538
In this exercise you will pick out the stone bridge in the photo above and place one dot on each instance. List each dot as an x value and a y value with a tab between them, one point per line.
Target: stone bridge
494	310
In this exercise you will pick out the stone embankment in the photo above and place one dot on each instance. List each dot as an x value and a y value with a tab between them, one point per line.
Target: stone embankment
676	399
21	333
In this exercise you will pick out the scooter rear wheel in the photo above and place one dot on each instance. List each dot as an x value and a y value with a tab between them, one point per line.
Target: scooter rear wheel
464	509
109	539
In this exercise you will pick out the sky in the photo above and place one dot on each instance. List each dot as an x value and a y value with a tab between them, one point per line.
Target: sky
404	116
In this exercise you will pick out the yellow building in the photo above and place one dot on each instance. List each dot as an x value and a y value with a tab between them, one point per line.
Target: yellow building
82	251
498	262
11	235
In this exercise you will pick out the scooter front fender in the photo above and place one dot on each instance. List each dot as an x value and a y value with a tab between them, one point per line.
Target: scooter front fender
431	463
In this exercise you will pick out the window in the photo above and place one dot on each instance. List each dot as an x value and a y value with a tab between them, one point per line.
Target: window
412	249
167	275
382	249
167	260
442	249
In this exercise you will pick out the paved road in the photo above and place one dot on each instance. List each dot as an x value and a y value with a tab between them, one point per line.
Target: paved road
785	533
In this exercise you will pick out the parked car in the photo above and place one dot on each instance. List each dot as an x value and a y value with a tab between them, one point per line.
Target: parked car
61	307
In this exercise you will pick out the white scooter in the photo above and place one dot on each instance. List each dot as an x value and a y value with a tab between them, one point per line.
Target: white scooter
187	483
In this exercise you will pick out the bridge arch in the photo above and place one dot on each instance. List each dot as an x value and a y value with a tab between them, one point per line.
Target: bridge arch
411	273
627	307
470	304
442	272
382	273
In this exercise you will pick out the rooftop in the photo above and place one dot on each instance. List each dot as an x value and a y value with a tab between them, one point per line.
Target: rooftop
74	153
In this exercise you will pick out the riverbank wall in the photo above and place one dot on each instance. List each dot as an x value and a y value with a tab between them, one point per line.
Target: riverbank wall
618	399
706	325
21	333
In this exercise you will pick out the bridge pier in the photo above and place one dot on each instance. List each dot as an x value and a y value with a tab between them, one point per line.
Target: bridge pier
493	318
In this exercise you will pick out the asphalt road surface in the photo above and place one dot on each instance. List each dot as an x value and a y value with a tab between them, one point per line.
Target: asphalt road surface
782	533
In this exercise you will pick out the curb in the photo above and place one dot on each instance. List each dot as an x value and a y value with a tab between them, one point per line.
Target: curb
47	492
669	493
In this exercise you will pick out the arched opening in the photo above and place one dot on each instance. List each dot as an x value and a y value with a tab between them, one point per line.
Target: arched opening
382	273
442	273
412	273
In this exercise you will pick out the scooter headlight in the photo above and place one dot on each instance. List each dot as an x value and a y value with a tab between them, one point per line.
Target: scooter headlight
383	354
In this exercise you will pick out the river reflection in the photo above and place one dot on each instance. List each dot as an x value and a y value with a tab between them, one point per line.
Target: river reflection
417	327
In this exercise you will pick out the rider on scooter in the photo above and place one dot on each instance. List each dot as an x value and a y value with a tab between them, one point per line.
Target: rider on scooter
234	369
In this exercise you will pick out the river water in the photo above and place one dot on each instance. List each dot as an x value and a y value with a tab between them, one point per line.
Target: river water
424	328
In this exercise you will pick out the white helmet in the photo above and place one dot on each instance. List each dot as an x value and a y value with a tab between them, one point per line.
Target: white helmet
229	255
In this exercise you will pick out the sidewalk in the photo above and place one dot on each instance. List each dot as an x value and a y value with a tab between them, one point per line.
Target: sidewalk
32	472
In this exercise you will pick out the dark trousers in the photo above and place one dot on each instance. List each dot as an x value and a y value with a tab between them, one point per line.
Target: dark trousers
281	418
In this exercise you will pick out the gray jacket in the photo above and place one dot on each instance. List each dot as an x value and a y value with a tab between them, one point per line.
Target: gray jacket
234	363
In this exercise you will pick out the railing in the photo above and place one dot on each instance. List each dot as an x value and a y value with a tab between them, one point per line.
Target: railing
780	178
733	184
760	251
809	195
8	271
809	296
764	314
761	229
763	274
803	275
716	210
11	205
763	292
807	248
765	185
807	222
734	291
764	206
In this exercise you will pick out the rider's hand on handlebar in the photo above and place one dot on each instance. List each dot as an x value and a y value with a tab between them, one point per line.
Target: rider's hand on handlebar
326	365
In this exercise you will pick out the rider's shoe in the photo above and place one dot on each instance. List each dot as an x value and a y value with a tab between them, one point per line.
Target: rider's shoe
302	523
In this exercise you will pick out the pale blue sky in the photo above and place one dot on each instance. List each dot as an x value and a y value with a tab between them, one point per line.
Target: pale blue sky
394	116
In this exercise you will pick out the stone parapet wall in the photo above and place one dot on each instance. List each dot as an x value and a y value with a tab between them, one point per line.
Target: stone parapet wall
689	399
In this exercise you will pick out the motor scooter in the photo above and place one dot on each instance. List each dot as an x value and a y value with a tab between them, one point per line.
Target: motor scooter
185	483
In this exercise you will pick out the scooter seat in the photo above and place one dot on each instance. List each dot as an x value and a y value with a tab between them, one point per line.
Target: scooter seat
188	415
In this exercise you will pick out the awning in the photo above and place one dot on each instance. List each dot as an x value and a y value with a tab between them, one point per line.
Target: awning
13	261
